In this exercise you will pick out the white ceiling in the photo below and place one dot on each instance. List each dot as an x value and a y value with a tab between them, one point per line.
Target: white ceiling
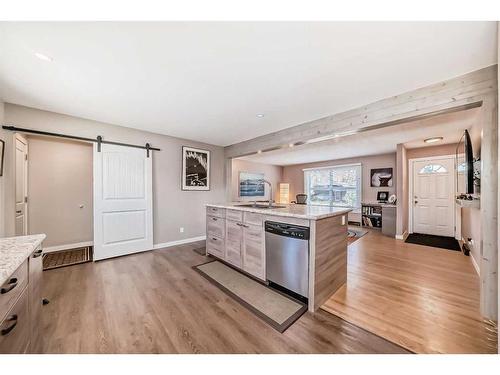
412	134
207	81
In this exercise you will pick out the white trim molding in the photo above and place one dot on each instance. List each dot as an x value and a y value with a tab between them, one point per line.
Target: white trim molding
69	246
410	171
403	236
178	242
474	263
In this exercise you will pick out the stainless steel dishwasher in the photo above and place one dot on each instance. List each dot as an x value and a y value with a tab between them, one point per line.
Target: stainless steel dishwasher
287	256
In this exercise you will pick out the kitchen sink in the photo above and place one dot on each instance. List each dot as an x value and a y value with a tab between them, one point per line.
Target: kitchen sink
260	206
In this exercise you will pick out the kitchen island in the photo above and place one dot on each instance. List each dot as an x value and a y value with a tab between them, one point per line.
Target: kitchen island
20	294
236	235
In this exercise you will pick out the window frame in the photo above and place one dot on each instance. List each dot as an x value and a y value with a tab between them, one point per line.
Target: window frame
359	188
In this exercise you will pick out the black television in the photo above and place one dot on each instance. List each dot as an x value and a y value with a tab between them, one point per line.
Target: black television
465	165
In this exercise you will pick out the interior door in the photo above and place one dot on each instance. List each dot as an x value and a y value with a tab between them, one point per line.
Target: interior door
21	219
434	197
123	204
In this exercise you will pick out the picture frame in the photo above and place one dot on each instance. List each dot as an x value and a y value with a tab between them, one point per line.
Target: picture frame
381	177
382	196
2	153
248	185
195	169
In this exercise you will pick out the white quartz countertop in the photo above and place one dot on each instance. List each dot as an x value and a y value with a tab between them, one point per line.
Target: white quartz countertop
14	251
300	211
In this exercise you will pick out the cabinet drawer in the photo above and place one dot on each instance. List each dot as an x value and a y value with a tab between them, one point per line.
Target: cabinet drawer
215	226
15	327
252	218
12	288
216	211
234	215
215	246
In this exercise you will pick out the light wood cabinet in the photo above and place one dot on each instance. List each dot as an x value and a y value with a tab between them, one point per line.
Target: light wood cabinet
234	239
35	265
238	238
21	308
254	251
15	327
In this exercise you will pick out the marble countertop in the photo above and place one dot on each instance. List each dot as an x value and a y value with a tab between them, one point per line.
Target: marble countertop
300	211
14	251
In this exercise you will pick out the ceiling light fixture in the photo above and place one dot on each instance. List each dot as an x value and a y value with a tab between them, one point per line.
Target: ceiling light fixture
259	115
43	57
433	139
291	144
259	152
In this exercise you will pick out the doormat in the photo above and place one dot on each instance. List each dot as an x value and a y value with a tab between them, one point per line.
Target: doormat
65	258
442	242
275	308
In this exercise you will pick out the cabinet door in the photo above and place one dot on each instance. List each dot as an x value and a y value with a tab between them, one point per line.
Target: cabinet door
234	239
35	299
254	255
15	327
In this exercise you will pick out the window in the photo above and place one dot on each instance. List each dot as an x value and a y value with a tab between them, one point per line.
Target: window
433	168
334	186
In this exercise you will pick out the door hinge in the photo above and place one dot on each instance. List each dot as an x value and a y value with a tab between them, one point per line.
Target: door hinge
25	199
25	156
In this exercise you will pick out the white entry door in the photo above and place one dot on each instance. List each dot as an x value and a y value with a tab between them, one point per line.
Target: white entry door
21	219
123	204
434	197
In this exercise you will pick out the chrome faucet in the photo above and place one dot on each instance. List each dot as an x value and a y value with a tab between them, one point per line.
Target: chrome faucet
270	191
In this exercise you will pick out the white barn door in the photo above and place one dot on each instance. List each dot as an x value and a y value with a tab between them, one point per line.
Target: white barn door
123	201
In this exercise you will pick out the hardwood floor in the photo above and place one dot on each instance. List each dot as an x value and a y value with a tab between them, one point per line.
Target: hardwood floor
155	303
425	299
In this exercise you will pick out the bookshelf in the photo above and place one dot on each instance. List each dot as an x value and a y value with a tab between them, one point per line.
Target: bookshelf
371	215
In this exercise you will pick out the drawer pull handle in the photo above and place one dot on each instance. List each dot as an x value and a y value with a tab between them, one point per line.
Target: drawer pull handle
11	285
213	238
18	211
12	318
214	219
37	253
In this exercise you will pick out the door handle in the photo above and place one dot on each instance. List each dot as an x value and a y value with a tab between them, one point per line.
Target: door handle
12	318
11	285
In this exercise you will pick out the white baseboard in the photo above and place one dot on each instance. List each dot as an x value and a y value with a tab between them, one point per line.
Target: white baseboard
403	236
52	249
178	242
476	266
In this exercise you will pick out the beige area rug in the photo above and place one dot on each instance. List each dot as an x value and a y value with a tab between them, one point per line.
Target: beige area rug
275	308
67	258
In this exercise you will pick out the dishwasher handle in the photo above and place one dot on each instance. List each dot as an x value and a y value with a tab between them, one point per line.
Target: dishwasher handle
287	230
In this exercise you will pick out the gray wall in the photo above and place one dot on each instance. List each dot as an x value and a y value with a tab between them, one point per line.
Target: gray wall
294	175
173	208
60	181
272	173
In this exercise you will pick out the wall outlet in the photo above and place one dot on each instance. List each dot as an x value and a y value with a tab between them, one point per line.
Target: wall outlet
181	229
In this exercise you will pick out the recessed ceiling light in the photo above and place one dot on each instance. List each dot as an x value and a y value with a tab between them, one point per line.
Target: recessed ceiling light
433	139
43	57
260	115
291	144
